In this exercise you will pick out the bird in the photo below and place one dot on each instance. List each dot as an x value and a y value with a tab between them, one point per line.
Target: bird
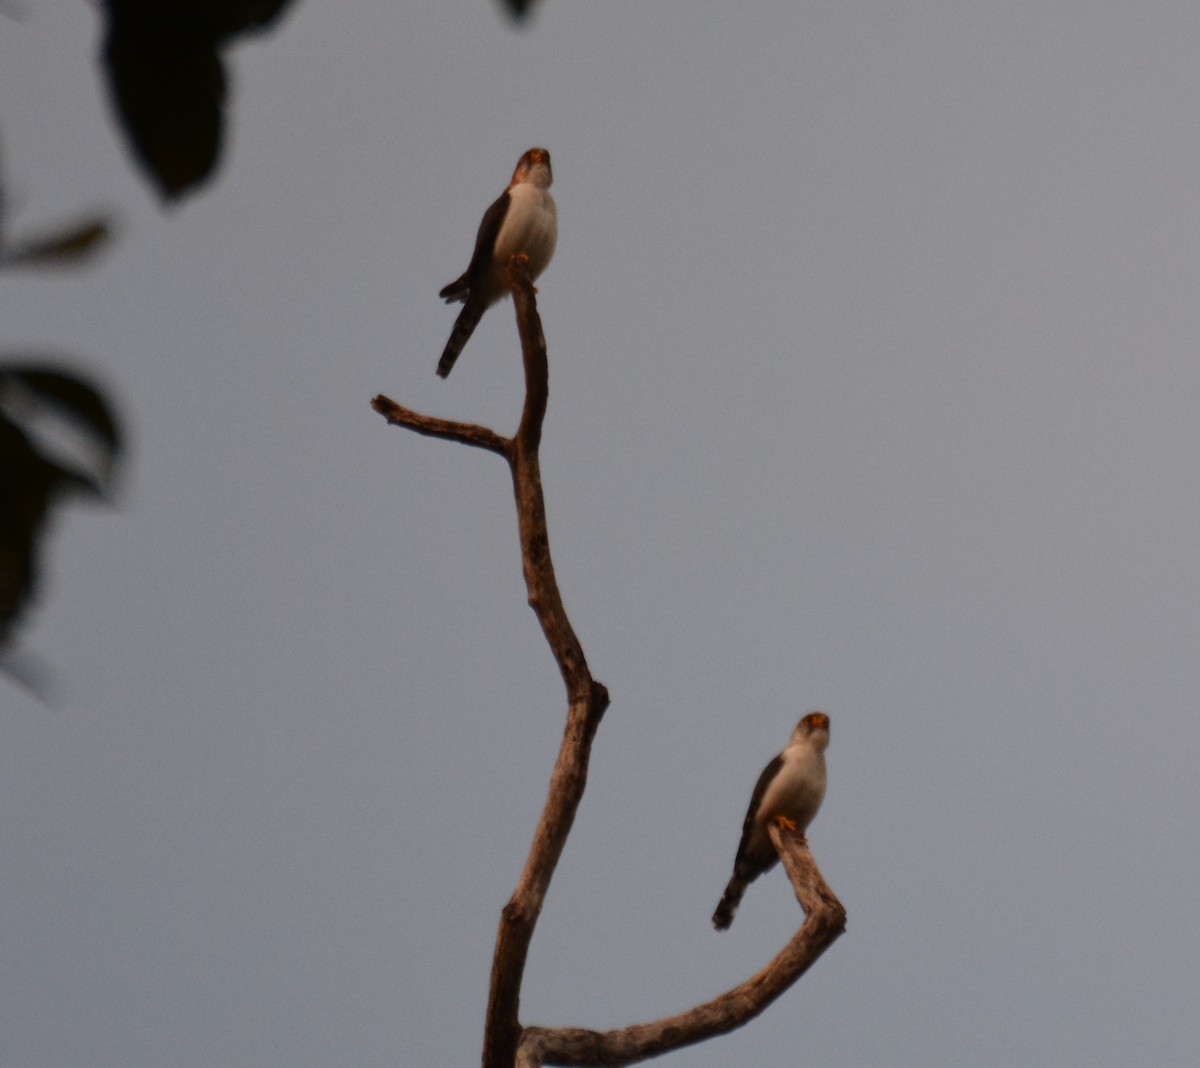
788	792
522	221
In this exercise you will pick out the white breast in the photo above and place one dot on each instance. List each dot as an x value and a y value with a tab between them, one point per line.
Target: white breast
799	788
530	226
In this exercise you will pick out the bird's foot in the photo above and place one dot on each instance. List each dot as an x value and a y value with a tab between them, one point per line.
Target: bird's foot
784	823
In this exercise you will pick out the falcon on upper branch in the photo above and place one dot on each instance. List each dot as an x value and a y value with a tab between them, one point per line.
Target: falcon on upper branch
789	792
522	221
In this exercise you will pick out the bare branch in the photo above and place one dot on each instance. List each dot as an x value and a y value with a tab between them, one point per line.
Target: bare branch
587	699
506	1043
540	581
519	917
468	433
825	921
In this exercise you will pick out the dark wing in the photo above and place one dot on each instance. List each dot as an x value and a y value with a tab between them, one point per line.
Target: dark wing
485	244
745	868
760	789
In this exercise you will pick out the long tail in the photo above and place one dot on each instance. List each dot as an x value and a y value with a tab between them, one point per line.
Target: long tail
730	900
464	327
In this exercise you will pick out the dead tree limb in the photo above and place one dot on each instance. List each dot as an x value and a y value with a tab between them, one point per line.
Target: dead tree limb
825	920
506	1043
468	433
587	699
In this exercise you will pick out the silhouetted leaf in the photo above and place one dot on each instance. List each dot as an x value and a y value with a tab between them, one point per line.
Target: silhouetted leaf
518	9
74	398
168	82
33	476
70	247
27	483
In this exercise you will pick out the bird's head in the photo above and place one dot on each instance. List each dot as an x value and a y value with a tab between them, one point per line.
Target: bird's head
812	730
533	166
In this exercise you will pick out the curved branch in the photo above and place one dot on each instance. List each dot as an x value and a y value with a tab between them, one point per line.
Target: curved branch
540	581
587	699
825	921
506	1043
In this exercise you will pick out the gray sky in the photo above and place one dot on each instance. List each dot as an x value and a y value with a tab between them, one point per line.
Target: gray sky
873	334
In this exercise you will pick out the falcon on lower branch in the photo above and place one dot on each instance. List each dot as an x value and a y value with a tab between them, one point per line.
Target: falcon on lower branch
789	792
522	221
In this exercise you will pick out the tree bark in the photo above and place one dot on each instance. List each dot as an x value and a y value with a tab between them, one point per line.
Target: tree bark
506	1043
824	922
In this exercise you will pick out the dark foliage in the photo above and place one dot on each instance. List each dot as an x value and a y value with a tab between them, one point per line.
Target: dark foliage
36	401
167	80
518	9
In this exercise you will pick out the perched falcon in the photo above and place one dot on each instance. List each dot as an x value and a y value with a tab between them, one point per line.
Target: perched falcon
522	220
788	792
